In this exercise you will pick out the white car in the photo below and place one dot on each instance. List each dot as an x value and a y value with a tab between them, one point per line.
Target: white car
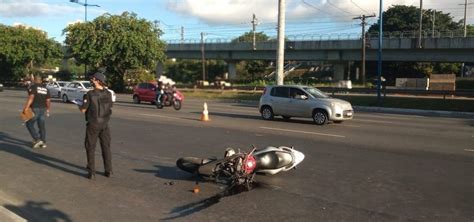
77	89
55	88
303	101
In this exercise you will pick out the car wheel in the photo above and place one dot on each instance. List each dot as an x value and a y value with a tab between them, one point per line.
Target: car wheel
286	118
337	121
136	100
267	113
65	99
320	117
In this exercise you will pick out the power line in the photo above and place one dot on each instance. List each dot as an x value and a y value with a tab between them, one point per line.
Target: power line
342	10
314	7
359	7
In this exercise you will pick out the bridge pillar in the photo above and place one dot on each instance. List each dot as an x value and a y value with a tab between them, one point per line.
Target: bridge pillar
338	70
232	69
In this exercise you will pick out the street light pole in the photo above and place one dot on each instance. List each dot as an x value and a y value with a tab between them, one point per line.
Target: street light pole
281	42
85	19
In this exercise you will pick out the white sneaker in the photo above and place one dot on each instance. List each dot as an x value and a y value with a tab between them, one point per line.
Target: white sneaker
37	144
43	145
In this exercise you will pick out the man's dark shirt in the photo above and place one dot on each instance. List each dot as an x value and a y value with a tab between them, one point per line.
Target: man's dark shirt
41	95
98	104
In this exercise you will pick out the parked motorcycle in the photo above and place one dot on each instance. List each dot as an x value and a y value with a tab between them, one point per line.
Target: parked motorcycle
239	168
175	99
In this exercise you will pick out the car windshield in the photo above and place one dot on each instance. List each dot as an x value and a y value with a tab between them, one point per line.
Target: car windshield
87	85
315	92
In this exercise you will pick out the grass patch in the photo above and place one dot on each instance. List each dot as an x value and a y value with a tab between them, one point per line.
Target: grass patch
461	105
413	103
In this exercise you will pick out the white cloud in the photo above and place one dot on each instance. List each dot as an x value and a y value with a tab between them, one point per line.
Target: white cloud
238	11
33	8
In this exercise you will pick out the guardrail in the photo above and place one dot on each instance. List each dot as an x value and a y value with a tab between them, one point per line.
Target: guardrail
338	36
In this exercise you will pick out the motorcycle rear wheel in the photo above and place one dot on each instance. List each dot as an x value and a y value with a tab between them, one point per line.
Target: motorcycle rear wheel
189	164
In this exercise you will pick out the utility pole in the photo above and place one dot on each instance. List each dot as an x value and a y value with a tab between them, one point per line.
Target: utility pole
434	19
85	19
421	24
203	59
379	62
281	42
465	29
254	27
363	23
182	34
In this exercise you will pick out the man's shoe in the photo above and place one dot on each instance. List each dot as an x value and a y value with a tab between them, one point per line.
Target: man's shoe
108	174
42	146
91	176
37	144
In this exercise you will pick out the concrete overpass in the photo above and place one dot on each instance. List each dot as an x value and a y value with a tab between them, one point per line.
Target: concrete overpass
455	49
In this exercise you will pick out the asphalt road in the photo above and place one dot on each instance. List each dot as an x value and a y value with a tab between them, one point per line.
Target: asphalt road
376	167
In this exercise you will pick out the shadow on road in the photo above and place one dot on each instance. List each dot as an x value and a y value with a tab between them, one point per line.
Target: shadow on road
37	211
243	116
15	146
188	209
231	115
169	173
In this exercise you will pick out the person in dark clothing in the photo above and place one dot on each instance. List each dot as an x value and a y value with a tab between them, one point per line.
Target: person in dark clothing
159	92
39	101
97	106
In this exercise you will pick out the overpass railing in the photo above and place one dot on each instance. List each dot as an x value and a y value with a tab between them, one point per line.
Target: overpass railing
339	36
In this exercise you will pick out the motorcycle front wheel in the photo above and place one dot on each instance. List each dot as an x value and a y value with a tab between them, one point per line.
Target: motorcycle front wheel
189	164
177	105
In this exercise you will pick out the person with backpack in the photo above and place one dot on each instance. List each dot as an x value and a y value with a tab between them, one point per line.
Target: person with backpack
97	106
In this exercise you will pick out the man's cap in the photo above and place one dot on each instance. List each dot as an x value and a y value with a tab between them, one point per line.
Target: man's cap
99	76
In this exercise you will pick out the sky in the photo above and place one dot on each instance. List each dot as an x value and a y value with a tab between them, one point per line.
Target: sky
218	19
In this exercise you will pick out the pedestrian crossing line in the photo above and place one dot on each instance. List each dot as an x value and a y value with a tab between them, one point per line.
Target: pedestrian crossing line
304	132
469	150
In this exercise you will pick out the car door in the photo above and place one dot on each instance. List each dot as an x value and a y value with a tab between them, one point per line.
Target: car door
299	104
77	94
70	90
150	92
280	99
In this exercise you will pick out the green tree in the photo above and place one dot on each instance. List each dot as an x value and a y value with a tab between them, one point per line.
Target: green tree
406	18
117	42
24	49
248	37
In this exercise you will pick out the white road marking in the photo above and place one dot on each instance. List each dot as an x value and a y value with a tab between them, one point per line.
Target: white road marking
372	121
468	150
305	132
161	116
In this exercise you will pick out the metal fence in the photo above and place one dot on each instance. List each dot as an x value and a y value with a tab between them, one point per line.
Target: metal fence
339	36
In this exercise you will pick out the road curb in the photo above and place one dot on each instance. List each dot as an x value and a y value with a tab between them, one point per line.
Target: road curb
8	216
414	111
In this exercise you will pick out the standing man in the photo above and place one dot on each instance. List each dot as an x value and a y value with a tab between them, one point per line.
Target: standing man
97	105
39	101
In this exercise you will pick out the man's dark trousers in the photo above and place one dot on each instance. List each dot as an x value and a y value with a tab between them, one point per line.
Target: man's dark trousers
101	131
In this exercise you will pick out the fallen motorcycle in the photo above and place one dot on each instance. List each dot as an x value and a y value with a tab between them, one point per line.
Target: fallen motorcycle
239	168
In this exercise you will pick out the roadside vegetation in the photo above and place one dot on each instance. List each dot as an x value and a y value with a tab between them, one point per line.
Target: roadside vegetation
435	103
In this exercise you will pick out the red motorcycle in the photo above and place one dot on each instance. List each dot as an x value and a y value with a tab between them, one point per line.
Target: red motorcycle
174	99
